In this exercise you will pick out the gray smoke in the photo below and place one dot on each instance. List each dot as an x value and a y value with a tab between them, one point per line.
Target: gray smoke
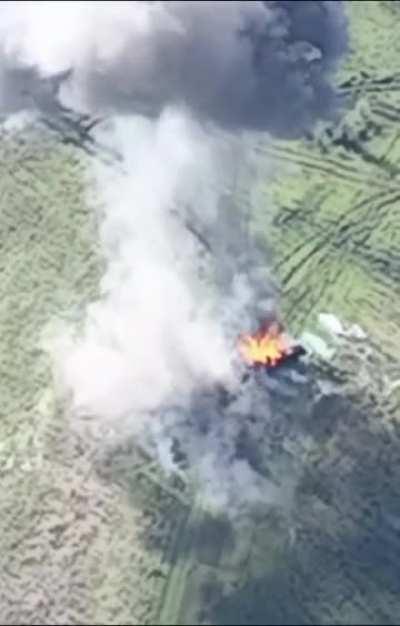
182	84
257	65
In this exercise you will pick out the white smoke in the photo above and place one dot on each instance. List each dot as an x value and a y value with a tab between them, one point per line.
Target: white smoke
153	335
55	37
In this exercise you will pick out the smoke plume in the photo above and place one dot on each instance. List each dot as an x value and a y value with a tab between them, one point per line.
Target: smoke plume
152	336
182	84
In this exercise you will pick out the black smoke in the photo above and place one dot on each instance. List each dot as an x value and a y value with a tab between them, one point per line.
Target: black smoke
241	65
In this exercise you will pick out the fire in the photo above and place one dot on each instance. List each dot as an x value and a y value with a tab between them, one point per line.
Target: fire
268	346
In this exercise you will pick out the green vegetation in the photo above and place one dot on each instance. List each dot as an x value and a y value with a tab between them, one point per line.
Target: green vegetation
331	218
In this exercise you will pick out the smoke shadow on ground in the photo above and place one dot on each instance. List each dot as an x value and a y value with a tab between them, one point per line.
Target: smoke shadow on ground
342	567
261	601
334	558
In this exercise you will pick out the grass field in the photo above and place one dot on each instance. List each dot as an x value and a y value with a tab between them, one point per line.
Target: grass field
332	218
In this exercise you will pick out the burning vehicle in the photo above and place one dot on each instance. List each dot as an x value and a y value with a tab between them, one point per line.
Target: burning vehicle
269	347
269	358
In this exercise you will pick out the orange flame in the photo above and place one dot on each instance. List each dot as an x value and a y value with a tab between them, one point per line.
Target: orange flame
268	346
